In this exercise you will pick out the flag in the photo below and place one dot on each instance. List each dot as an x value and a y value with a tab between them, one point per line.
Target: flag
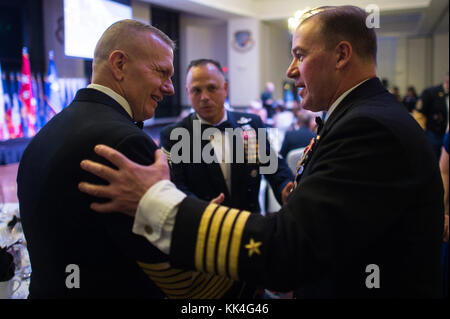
26	95
15	108
8	106
38	93
52	89
3	129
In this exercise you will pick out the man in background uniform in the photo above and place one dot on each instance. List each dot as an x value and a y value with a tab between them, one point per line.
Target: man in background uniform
239	183
432	114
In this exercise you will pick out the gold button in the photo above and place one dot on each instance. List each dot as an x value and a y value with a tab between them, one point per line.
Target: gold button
148	229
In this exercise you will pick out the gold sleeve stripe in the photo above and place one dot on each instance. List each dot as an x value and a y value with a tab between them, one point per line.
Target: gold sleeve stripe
163	276
220	289
224	240
186	284
185	290
236	244
212	238
211	283
212	288
201	236
173	279
160	273
156	267
168	155
203	284
225	287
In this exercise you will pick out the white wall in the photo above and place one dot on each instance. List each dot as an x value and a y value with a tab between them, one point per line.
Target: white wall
244	67
440	57
386	59
200	38
419	61
275	57
141	11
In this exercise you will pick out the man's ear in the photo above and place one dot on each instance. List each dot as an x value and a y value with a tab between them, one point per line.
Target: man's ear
117	60
344	52
225	86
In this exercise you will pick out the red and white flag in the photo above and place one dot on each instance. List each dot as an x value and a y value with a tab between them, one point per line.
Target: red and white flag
26	94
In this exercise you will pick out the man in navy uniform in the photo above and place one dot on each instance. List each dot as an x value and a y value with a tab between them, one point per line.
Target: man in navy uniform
366	216
226	178
132	70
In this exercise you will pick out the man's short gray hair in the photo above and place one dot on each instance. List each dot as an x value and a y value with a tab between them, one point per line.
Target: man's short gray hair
113	37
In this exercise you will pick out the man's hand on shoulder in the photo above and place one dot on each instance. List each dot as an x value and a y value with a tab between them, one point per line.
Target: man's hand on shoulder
127	184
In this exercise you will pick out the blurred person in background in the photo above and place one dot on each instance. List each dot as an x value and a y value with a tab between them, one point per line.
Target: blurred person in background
300	137
267	99
410	99
396	92
432	114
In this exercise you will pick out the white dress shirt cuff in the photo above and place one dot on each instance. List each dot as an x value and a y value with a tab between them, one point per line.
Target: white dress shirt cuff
156	212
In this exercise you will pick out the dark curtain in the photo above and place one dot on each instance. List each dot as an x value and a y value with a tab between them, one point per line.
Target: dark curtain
167	21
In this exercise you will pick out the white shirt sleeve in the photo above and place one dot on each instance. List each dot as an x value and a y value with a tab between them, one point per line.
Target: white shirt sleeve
156	212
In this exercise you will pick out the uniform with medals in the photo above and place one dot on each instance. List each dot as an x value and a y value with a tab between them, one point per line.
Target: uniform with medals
206	180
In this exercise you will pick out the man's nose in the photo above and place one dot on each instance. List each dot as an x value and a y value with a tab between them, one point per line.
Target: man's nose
292	71
204	95
167	88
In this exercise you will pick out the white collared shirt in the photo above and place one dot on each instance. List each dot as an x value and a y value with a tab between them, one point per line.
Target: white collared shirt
340	98
220	141
116	97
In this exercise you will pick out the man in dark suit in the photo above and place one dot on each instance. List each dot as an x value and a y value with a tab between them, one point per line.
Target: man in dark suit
432	113
366	216
238	182
297	138
73	251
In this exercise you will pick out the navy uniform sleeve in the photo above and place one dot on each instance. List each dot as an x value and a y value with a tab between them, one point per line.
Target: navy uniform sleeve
314	234
174	283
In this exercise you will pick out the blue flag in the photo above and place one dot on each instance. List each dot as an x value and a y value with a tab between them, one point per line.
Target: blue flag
53	101
3	128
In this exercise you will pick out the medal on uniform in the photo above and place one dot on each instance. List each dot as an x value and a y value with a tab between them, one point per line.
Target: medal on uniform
304	159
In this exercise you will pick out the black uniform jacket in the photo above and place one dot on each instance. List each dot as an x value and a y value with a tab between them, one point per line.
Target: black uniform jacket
62	230
366	219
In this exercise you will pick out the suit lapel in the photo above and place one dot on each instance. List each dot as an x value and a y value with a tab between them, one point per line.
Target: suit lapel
213	169
238	170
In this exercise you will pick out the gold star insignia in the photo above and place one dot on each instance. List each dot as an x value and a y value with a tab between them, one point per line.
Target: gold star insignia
253	247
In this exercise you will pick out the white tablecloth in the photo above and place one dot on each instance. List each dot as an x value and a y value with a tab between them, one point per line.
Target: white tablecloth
20	253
